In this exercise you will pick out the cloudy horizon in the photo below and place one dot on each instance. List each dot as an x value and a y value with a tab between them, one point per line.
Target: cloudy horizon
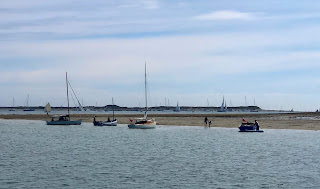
196	52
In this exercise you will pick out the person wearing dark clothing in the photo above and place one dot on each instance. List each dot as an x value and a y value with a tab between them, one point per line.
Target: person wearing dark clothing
206	120
256	124
209	123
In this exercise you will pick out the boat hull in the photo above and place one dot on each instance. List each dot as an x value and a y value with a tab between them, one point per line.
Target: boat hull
142	126
110	123
252	131
97	123
105	123
29	110
249	127
76	122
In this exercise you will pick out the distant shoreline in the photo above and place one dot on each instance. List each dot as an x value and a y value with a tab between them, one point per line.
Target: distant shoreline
303	121
154	108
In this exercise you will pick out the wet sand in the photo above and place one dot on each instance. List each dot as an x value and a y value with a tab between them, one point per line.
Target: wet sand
304	121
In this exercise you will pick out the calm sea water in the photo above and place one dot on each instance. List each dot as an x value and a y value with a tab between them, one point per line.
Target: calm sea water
34	155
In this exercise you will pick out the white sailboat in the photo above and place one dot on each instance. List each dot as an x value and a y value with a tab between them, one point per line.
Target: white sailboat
108	122
11	110
47	109
177	108
64	119
145	122
28	109
223	107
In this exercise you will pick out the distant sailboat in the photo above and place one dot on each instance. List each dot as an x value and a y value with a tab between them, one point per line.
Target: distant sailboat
64	119
28	109
144	123
11	110
47	108
223	107
177	108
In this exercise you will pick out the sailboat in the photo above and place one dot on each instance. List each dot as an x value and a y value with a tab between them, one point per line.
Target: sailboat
11	110
28	109
177	108
108	122
112	122
47	108
223	107
64	119
144	123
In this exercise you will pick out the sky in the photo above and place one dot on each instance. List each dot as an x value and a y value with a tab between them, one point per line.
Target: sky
264	53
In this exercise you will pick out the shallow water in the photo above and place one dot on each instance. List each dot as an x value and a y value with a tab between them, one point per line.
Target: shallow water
34	155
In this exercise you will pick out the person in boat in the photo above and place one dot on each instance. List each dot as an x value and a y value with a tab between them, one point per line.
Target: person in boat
109	119
206	120
256	124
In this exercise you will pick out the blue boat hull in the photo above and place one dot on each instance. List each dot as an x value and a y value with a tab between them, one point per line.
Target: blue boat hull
249	127
252	131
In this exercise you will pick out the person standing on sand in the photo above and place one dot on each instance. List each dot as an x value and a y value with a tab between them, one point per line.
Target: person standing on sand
206	121
256	124
209	123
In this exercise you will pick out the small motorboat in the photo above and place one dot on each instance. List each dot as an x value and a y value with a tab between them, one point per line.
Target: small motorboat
249	127
97	123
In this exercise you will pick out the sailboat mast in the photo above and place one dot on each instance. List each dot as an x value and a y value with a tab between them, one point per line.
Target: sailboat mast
67	91
112	109
145	84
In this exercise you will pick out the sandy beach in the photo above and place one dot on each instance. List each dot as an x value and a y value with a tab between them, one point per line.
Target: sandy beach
304	121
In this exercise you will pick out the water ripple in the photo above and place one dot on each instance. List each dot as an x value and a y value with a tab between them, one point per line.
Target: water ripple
34	155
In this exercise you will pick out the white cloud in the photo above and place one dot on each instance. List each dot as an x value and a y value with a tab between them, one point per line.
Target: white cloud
190	53
226	15
182	61
168	54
